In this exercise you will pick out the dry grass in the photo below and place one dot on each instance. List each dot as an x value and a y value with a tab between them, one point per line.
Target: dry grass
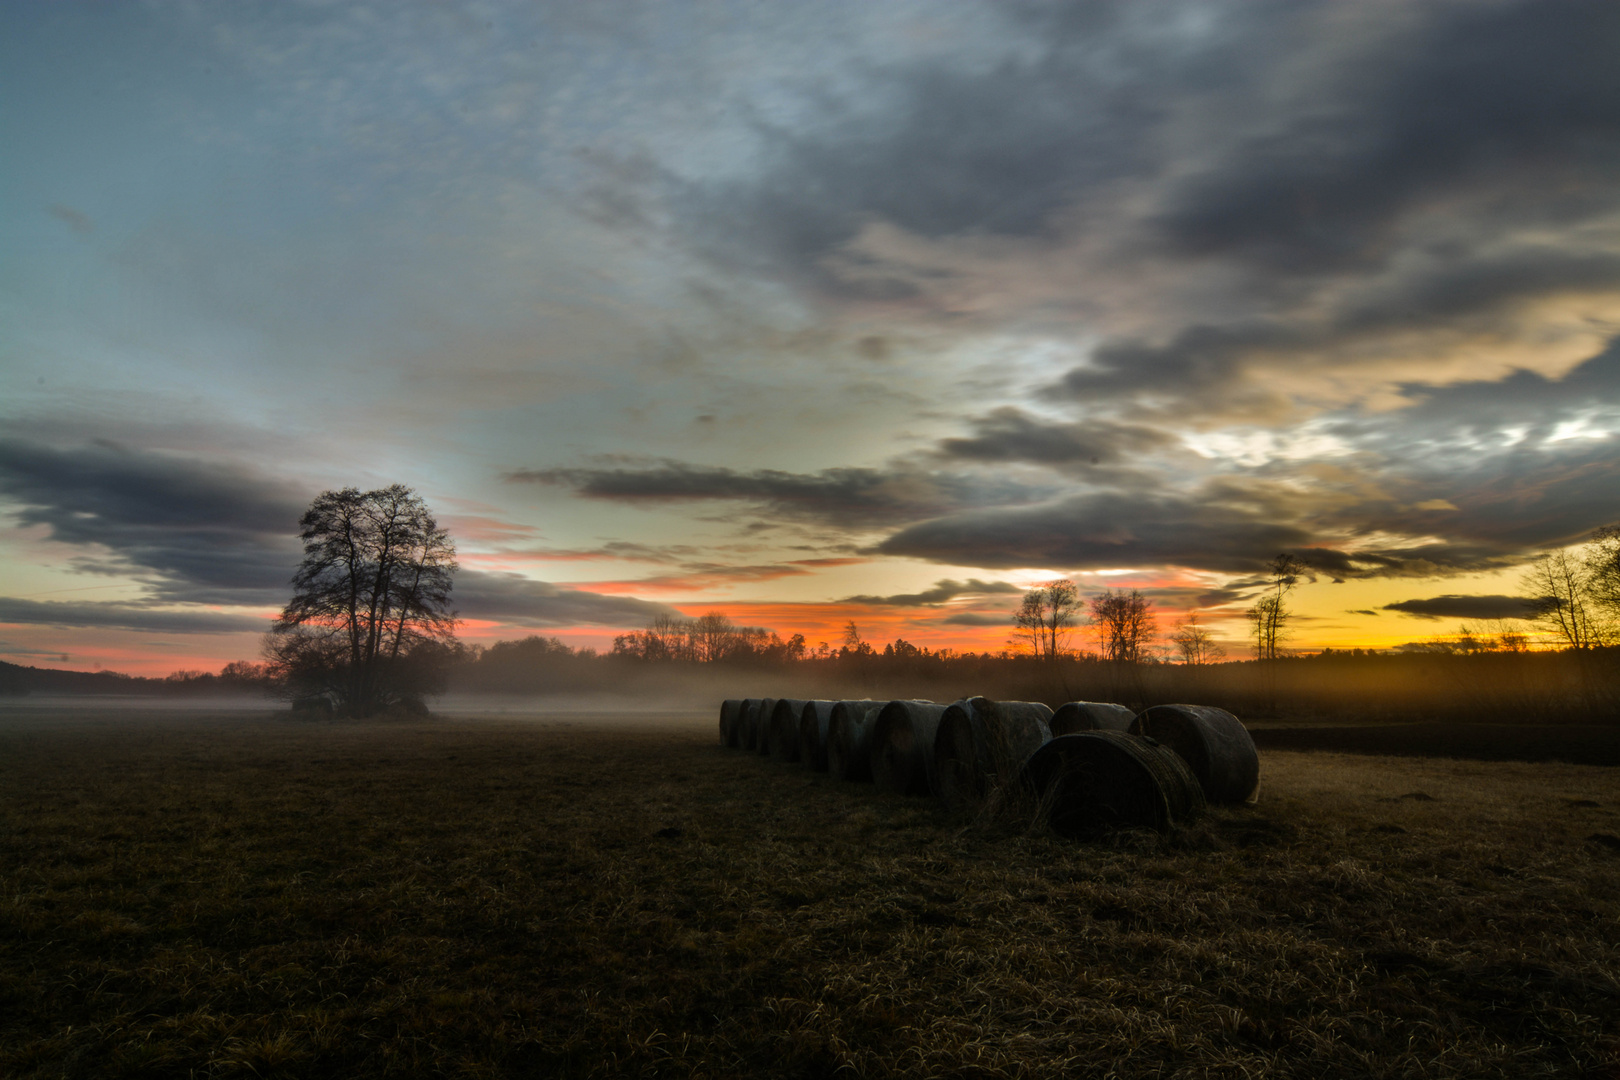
250	896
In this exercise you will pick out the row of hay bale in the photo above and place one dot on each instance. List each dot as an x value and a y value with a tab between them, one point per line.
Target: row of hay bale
1090	766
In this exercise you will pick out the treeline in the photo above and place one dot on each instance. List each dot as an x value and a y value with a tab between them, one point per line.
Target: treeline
237	678
1475	675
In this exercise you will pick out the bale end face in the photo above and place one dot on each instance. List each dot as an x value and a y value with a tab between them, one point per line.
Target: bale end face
784	729
762	726
730	714
1091	783
849	740
902	746
960	756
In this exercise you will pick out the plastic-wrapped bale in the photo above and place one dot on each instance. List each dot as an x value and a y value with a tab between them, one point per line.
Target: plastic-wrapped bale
1091	716
849	739
746	727
903	746
815	721
1093	782
783	729
982	743
1215	745
730	712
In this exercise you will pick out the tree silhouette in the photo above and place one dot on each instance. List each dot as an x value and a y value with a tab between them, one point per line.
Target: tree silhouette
1195	643
1269	616
369	625
1045	619
1124	624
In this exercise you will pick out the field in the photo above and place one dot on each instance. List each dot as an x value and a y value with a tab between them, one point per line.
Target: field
247	895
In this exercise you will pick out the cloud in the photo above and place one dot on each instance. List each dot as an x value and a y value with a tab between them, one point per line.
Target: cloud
1453	606
974	618
195	530
943	590
1448	100
1102	531
848	496
517	600
1009	434
112	615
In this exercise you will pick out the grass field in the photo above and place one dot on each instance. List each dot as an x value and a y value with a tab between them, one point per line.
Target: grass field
246	895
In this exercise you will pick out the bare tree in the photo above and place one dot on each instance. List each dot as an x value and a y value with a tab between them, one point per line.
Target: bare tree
1270	615
1045	618
713	636
369	623
1124	624
1195	643
1569	591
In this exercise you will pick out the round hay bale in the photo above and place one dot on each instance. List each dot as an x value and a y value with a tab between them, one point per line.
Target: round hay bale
962	754
982	743
903	746
1093	782
783	729
1214	744
1091	716
745	723
849	739
762	725
730	712
815	722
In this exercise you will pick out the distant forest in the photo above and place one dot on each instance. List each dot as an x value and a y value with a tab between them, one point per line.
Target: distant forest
1464	677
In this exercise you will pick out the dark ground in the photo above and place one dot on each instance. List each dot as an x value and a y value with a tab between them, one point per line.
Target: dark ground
246	895
1581	744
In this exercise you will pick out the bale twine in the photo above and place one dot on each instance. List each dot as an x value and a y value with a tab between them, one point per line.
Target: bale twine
849	739
1091	716
747	729
762	725
903	746
815	721
981	744
784	729
1215	745
730	711
1092	782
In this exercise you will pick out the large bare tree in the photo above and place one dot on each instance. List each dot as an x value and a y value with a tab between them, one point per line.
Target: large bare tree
369	622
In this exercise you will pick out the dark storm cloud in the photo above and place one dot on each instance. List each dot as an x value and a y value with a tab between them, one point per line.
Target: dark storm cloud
516	600
1500	97
196	531
852	496
124	616
943	590
1010	434
1466	607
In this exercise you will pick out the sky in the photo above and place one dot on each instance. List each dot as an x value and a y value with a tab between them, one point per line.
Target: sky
805	312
